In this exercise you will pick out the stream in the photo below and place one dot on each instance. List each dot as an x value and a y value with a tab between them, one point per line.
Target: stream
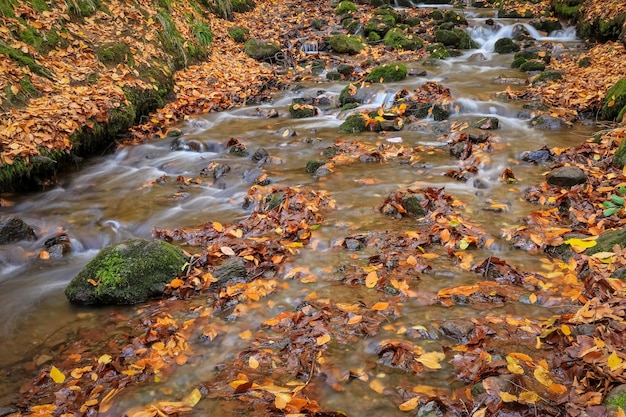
111	198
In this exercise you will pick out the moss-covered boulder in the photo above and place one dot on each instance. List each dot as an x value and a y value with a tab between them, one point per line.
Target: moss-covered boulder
546	24
354	124
455	38
239	33
346	44
533	65
607	240
301	111
397	39
616	398
345	8
260	50
614	105
128	272
438	51
388	73
505	46
619	158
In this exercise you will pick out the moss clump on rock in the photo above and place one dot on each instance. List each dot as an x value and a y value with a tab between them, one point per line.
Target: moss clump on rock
260	50
354	124
345	8
129	272
238	33
505	46
532	66
114	53
388	73
438	51
397	39
300	111
547	76
614	104
456	38
346	44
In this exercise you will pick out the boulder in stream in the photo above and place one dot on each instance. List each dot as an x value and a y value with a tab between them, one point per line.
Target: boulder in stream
505	46
13	229
128	272
566	176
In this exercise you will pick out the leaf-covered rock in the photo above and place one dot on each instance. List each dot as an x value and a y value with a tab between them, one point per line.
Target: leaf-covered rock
614	104
260	50
129	272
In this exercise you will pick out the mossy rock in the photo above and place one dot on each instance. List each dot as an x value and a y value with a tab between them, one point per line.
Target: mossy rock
312	166
243	6
566	9
453	17
547	24
547	76
111	54
301	111
128	272
616	398
397	39
527	54
619	158
517	62
238	33
346	44
333	76
354	124
506	46
614	101
379	25
345	8
388	73
607	240
438	51
456	38
260	50
532	66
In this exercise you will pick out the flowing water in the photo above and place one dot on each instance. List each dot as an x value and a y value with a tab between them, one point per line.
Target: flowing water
107	200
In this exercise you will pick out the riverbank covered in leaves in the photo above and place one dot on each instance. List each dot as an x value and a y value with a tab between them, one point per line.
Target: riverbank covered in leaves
504	364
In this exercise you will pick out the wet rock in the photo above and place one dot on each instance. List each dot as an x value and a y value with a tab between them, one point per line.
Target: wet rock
215	169
260	50
193	145
286	132
312	166
459	150
13	229
345	69
455	38
260	156
500	79
520	33
607	240
487	123
58	245
231	271
566	176
416	72
481	184
506	46
235	147
415	204
548	122
430	409
616	398
539	156
301	111
174	133
391	125
322	171
619	159
458	330
128	272
353	244
477	57
546	24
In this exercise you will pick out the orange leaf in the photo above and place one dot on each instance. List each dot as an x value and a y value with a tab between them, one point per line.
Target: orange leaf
371	280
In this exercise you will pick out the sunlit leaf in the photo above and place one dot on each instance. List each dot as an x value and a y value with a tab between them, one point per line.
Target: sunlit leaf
380	306
543	376
580	245
410	404
193	398
323	339
513	365
56	375
431	359
614	362
507	398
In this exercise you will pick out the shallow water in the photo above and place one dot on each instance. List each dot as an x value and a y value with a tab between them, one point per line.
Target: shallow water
110	198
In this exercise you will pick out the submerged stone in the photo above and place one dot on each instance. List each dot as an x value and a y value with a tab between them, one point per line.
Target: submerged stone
128	272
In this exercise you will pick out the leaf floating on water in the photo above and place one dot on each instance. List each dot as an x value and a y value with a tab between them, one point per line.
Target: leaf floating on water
410	404
56	375
193	398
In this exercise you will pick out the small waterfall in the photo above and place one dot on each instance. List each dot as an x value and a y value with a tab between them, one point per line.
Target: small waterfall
310	47
487	35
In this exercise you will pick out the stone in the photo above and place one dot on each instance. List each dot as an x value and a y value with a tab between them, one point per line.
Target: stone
230	271
614	104
616	398
458	329
487	123
129	272
566	176
13	229
58	245
506	46
260	50
414	204
537	157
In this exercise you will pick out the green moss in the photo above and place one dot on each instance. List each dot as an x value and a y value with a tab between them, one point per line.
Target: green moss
312	166
619	158
202	33
242	6
83	8
505	46
39	5
300	111
260	50
562	9
346	44
387	12
112	54
317	24
171	40
373	37
396	39
7	8
388	73
614	100
25	60
438	51
333	76
238	33
456	38
532	66
26	91
454	17
602	30
353	124
547	76
412	21
379	26
127	273
345	8
584	62
617	401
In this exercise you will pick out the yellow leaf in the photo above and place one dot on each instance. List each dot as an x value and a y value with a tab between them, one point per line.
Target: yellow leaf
514	366
245	335
431	359
104	359
56	375
543	376
192	398
323	339
507	398
236	233
377	386
282	399
614	361
528	397
253	363
480	413
218	227
355	319
176	283
409	405
371	279
227	251
565	329
580	245
532	298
